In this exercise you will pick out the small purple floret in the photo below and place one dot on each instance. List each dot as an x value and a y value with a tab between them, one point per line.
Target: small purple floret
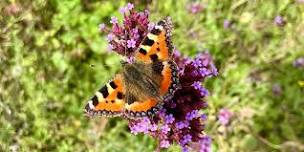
299	62
114	20
131	43
224	116
279	21
169	119
164	144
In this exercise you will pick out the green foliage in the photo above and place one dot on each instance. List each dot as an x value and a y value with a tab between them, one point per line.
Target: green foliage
47	49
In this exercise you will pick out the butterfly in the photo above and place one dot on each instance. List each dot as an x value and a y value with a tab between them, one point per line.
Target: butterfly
141	88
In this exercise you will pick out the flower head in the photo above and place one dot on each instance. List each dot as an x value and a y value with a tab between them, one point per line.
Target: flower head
102	26
279	21
131	43
130	6
299	62
227	23
164	144
180	119
186	139
181	124
195	8
150	26
123	10
114	20
277	89
110	37
300	1
224	116
129	35
205	144
169	119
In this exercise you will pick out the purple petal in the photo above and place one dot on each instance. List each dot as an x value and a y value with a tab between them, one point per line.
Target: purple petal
110	37
123	10
169	119
114	20
102	26
164	143
130	6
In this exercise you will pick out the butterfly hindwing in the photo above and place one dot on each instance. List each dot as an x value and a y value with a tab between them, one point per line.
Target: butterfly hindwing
142	108
156	46
169	77
109	100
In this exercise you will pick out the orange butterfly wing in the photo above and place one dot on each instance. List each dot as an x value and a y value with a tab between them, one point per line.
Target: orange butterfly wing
109	100
156	46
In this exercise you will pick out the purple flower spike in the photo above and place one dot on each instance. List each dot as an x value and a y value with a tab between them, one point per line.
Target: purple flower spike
179	119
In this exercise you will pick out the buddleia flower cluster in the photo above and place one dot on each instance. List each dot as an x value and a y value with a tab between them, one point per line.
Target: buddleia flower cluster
180	120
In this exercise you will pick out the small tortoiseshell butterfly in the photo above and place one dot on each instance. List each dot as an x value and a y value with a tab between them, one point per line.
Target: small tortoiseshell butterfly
142	87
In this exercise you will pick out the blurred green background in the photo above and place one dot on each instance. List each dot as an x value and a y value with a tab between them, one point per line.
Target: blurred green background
47	48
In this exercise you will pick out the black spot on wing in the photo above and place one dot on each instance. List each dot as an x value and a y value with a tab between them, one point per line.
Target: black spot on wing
158	67
104	91
154	57
119	95
113	85
95	100
148	42
158	49
156	31
142	51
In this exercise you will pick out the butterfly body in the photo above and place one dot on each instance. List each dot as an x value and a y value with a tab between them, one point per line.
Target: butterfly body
141	88
141	81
